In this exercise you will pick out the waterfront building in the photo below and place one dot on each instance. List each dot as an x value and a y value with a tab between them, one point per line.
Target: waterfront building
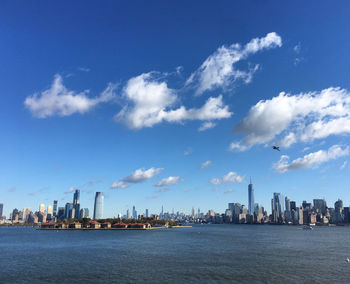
41	217
346	214
75	225
76	203
293	205
278	204
98	207
84	213
67	211
250	198
54	213
95	225
60	213
42	208
49	209
1	209
32	218
338	210
147	213
320	205
134	212
287	211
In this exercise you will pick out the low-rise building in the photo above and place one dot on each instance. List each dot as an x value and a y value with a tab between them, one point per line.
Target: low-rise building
106	225
95	225
75	225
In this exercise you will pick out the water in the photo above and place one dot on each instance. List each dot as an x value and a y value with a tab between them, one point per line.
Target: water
204	253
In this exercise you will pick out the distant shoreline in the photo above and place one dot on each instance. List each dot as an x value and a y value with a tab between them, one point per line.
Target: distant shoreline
109	229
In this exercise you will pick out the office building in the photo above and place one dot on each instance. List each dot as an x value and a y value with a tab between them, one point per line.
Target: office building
60	213
320	205
42	208
1	209
250	198
49	209
54	213
84	213
98	207
147	213
278	204
76	203
134	213
68	210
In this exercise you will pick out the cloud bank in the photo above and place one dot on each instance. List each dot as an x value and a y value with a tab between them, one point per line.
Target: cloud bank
229	177
312	160
287	119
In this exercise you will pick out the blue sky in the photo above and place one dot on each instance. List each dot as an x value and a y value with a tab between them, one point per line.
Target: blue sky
131	98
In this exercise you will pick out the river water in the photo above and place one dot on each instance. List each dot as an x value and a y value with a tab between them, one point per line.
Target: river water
203	253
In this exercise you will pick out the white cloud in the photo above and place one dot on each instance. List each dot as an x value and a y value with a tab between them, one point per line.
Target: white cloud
219	69
137	176
206	125
58	100
161	190
230	177
119	184
228	191
205	164
297	48
150	102
288	119
141	175
312	160
168	181
342	167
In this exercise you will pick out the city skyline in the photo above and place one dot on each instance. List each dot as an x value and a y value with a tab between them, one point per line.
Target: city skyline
176	106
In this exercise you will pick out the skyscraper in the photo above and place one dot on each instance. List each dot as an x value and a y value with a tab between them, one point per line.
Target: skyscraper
42	208
278	203
1	209
68	210
250	198
55	208
98	207
76	204
134	213
147	213
49	209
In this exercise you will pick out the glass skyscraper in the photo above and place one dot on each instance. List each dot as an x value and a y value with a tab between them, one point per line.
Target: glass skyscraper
278	201
250	198
76	204
1	209
98	208
55	208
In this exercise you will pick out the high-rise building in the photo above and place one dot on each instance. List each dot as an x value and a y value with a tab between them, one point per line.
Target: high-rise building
49	209
42	208
147	213
55	208
60	213
278	203
68	210
84	213
134	212
1	209
98	207
127	214
250	198
76	203
320	205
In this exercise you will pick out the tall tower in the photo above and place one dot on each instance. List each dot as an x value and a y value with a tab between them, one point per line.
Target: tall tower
76	203
98	207
42	208
250	197
1	209
55	208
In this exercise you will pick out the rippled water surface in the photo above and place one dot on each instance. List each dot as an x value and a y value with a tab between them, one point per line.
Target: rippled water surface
204	253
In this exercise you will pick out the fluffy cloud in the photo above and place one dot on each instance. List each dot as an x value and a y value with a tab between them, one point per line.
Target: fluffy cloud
168	181
137	176
205	164
58	100
311	160
206	125
230	177
288	119
119	184
150	102
219	69
342	167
